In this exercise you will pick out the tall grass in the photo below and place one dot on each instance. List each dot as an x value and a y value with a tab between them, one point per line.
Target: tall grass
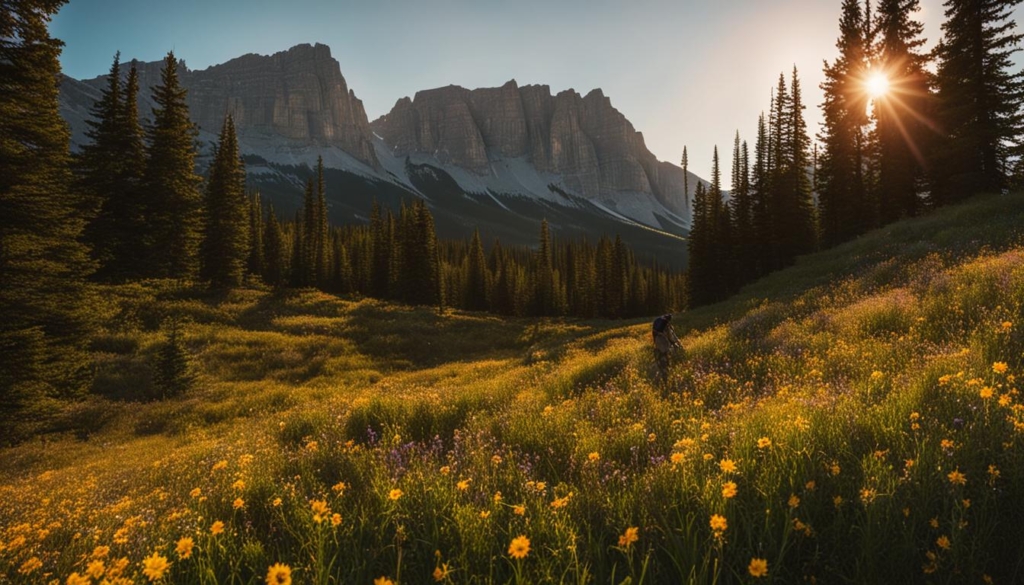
854	419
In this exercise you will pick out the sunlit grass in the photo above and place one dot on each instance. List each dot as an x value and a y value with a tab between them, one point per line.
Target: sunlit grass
856	418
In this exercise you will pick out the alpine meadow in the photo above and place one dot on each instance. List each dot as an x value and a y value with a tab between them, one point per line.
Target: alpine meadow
250	335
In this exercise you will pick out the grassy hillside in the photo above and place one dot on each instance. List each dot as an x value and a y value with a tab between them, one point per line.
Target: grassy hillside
855	418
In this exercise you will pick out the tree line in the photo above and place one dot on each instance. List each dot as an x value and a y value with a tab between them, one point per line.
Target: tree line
931	139
130	206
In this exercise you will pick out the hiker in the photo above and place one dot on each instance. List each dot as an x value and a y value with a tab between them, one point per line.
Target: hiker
665	340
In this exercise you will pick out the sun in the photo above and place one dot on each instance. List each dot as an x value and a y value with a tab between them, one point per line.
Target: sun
877	85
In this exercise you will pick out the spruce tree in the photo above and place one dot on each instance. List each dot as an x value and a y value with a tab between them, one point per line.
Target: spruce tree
173	199
173	374
980	99
761	201
902	133
275	255
255	263
842	190
319	238
700	273
99	166
43	322
130	207
476	275
225	245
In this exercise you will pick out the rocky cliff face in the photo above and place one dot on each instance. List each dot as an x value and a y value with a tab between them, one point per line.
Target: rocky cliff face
298	94
584	139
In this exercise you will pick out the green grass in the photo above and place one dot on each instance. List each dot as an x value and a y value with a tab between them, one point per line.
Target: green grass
861	396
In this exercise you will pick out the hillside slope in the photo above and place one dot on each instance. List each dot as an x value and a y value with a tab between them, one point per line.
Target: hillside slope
855	418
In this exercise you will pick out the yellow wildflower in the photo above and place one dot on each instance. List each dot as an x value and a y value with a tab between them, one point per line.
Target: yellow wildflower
195	493
934	522
463	485
727	466
631	535
520	547
95	569
957	478
676	458
76	579
217	528
100	552
758	567
154	566
238	485
986	392
718	523
220	465
485	514
184	547
339	488
593	456
279	574
794	501
383	581
394	494
729	489
999	367
238	504
497	497
440	573
335	519
519	510
942	542
764	443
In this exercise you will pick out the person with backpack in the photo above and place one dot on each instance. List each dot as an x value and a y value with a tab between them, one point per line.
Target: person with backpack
665	340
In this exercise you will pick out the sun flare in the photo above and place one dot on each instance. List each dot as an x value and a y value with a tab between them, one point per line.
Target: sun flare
877	85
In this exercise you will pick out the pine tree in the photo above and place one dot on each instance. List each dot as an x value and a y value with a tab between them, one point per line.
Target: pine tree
981	100
686	178
761	201
256	262
225	245
903	136
275	256
173	374
797	231
298	270
130	208
319	255
43	323
840	182
544	289
99	166
173	200
476	275
700	274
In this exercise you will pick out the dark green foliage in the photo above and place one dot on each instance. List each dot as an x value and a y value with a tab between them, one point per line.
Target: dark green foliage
225	246
173	201
477	276
903	132
256	263
980	100
43	324
843	197
275	254
173	374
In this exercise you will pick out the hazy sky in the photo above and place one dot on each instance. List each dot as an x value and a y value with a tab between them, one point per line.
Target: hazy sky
685	72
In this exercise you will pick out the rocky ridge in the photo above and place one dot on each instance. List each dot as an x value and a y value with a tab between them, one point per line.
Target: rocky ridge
584	139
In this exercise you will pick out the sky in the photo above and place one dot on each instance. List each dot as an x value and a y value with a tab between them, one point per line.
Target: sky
684	72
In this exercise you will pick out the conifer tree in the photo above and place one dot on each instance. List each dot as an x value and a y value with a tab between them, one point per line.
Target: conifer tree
761	200
173	200
274	254
99	166
173	371
476	275
225	246
797	231
842	190
320	256
980	99
700	274
298	269
686	178
255	263
544	289
902	133
130	208
43	324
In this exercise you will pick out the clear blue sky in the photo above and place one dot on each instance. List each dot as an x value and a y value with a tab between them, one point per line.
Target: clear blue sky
683	71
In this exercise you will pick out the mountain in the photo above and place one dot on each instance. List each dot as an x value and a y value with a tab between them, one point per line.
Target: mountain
497	159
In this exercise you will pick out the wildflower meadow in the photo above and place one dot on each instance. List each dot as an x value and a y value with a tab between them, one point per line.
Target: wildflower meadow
855	418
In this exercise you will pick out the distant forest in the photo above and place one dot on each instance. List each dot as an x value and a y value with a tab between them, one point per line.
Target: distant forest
130	205
897	140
